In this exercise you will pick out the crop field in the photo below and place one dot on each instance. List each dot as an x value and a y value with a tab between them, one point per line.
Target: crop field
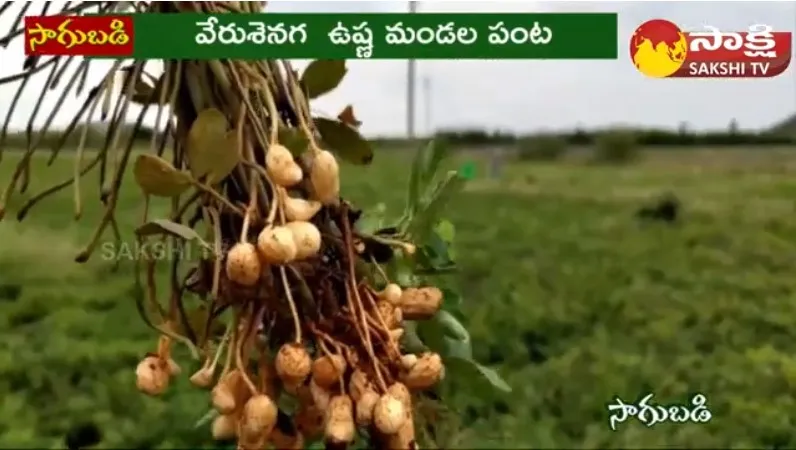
569	295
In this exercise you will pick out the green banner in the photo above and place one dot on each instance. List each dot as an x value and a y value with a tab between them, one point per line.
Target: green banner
376	36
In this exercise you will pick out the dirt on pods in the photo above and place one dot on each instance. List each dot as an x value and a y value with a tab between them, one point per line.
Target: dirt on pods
307	319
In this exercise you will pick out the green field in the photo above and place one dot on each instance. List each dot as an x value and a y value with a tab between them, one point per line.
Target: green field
568	295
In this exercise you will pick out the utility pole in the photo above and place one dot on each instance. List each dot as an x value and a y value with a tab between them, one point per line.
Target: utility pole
410	88
427	103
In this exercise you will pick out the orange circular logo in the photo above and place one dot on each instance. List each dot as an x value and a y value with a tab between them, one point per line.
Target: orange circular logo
658	48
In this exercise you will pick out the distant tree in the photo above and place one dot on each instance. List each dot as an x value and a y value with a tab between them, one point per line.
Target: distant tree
733	127
682	129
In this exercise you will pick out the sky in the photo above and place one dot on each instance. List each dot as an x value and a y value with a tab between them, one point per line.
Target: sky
531	95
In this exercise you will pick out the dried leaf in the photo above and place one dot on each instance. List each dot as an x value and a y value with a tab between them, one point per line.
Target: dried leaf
322	76
347	117
212	151
294	140
144	93
158	177
345	141
169	228
228	157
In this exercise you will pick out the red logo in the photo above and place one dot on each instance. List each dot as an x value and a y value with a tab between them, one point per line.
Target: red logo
99	36
660	49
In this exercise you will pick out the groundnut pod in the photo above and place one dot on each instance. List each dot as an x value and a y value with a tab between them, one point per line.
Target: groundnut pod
358	384
340	428
281	167
327	370
257	419
320	396
325	177
404	439
408	361
229	393
427	372
202	378
152	376
224	427
243	264
420	303
389	414
306	237
364	408
401	392
391	294
298	209
276	245
292	363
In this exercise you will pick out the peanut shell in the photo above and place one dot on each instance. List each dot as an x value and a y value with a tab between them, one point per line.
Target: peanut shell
292	363
306	237
276	245
389	414
364	408
420	303
243	264
152	376
340	428
325	178
427	372
327	370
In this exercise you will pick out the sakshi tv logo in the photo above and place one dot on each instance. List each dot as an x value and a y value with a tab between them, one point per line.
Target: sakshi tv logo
660	49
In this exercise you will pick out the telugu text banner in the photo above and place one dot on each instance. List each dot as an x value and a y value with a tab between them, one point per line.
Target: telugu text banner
92	35
373	36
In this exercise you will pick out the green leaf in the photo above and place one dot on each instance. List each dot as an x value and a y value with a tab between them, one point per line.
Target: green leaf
345	141
462	365
156	176
454	348
322	76
317	445
169	228
294	140
445	230
434	205
372	220
445	335
208	417
401	269
437	152
451	326
452	341
415	176
435	255
212	151
451	300
411	339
